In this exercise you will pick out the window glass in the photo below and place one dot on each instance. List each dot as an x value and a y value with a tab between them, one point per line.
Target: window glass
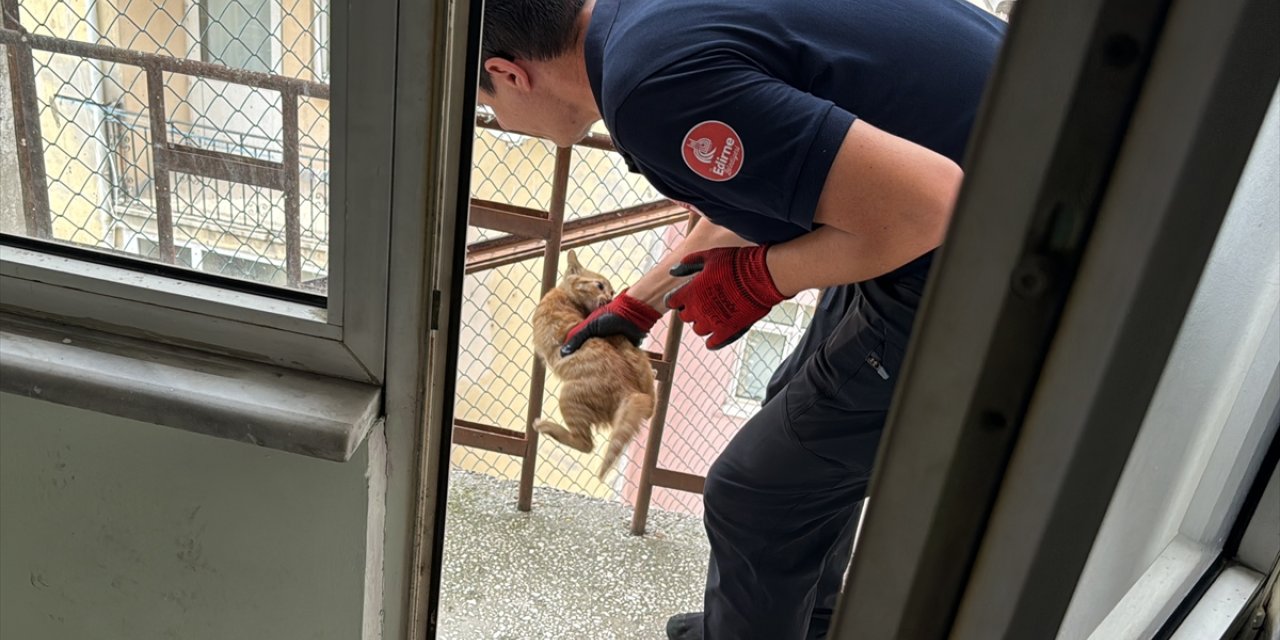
320	47
236	163
149	248
237	33
761	355
785	314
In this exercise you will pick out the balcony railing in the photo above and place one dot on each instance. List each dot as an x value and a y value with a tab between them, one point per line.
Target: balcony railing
534	233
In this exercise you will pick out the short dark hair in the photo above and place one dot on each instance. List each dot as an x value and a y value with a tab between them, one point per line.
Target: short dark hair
527	29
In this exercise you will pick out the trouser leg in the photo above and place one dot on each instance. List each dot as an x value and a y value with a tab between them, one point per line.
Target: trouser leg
831	580
782	499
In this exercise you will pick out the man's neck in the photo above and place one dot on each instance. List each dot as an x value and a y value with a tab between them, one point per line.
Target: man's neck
582	95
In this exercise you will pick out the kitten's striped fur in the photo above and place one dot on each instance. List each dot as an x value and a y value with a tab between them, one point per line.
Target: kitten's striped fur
607	383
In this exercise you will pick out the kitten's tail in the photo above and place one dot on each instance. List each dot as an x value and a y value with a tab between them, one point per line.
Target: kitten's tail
626	426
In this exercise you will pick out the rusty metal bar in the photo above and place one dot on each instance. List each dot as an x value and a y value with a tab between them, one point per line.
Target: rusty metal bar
26	122
10	16
649	467
223	166
599	141
594	140
661	368
488	428
197	68
159	162
489	438
482	256
518	221
550	272
292	199
677	480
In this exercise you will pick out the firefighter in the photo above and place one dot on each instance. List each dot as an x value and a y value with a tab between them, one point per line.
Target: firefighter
821	143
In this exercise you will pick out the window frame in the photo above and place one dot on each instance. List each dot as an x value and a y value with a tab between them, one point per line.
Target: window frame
1191	480
273	32
735	403
1027	379
320	51
345	336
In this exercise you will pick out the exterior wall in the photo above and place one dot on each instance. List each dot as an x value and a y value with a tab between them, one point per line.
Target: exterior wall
112	528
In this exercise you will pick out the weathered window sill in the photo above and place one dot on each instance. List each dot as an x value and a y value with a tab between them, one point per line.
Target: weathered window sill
185	389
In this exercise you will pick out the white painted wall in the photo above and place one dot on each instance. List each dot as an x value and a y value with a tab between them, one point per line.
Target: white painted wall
1234	303
114	529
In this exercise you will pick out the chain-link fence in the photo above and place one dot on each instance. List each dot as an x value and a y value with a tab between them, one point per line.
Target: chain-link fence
193	132
711	393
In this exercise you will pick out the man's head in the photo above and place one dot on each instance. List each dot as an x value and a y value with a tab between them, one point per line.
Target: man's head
532	72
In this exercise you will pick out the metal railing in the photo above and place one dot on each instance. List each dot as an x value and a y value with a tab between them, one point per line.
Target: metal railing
131	184
533	233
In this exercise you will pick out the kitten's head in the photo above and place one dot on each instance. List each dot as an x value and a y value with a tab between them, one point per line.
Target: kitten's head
587	289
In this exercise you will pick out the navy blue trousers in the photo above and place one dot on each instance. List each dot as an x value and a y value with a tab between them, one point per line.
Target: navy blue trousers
782	500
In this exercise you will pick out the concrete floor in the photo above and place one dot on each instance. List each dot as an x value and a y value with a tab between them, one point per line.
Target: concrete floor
568	570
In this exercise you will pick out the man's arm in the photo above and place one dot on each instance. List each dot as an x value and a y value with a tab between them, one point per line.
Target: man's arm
633	312
885	202
654	285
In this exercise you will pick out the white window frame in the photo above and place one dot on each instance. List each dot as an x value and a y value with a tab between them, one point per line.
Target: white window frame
741	406
1025	385
321	43
196	13
341	335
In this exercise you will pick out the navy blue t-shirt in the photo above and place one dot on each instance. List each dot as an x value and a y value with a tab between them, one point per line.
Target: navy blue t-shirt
738	107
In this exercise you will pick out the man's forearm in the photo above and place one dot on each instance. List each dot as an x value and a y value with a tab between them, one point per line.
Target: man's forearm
828	257
653	286
886	201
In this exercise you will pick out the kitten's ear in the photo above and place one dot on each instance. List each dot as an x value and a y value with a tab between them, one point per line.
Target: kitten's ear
574	267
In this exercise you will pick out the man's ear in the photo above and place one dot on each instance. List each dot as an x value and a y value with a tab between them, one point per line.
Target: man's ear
507	73
573	266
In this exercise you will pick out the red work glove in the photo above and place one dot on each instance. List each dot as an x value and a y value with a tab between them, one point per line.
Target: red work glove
731	291
623	315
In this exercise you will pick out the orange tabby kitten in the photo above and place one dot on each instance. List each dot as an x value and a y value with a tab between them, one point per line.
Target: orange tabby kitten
607	384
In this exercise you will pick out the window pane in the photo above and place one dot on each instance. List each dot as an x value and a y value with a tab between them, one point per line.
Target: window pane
237	33
245	268
235	164
761	354
320	47
784	314
149	248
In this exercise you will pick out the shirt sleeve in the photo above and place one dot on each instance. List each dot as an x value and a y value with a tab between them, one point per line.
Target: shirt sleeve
722	131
